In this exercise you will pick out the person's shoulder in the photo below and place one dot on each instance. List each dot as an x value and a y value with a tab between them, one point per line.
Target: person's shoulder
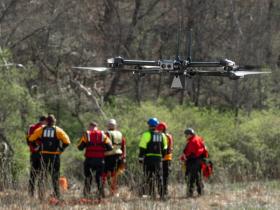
146	132
58	129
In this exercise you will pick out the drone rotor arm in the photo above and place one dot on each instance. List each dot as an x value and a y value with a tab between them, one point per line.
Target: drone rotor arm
204	64
140	63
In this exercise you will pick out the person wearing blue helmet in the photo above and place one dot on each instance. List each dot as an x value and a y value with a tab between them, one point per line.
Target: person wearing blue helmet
152	148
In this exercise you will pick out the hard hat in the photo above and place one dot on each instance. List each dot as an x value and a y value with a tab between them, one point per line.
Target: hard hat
112	122
162	126
153	122
189	131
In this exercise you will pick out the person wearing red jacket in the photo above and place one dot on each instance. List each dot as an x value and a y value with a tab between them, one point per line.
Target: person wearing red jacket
95	143
35	160
193	154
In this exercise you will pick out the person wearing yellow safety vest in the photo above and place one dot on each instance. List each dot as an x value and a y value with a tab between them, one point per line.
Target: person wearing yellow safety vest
53	141
114	159
153	147
166	163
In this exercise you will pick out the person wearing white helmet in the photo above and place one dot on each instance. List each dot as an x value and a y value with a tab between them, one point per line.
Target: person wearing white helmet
115	159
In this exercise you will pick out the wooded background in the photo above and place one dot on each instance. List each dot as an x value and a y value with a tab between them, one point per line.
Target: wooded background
49	37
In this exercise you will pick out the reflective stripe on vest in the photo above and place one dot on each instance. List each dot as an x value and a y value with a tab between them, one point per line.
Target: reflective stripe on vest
154	146
49	141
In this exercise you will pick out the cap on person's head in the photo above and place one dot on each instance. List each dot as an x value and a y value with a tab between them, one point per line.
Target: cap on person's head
189	131
42	118
153	122
51	119
111	124
93	124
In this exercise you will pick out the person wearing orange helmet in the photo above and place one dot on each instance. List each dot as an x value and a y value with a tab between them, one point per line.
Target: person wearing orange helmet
166	163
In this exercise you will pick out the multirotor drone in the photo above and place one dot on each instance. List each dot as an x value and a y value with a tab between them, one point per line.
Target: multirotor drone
178	68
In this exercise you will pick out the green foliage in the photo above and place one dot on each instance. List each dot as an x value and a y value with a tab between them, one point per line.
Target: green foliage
18	109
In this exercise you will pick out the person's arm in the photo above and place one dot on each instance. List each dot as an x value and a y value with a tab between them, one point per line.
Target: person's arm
145	138
164	144
123	147
107	143
63	137
170	144
82	142
36	134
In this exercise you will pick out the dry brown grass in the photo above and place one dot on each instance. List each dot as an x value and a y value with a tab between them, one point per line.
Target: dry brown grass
254	195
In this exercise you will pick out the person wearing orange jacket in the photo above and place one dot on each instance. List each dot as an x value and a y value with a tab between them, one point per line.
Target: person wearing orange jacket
95	143
193	154
166	163
35	157
53	141
116	158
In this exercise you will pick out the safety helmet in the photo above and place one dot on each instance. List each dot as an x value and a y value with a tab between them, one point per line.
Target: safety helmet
153	122
162	126
189	131
112	122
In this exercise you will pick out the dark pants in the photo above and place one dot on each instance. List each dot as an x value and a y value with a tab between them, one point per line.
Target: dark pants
111	163
35	165
153	175
166	168
91	165
50	164
193	175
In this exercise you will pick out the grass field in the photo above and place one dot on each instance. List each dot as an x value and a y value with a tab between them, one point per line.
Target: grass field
253	195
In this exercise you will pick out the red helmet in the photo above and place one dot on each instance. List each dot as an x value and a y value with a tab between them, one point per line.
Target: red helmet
162	126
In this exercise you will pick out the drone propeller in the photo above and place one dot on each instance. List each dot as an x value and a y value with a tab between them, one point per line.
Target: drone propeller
98	69
138	69
244	73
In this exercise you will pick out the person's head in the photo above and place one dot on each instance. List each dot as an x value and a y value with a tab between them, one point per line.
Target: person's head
92	125
51	120
162	127
112	124
189	132
43	119
152	123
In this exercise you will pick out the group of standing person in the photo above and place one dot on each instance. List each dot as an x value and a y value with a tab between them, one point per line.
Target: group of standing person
156	147
105	156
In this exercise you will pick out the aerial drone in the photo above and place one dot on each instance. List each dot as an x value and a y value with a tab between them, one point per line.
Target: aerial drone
180	69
